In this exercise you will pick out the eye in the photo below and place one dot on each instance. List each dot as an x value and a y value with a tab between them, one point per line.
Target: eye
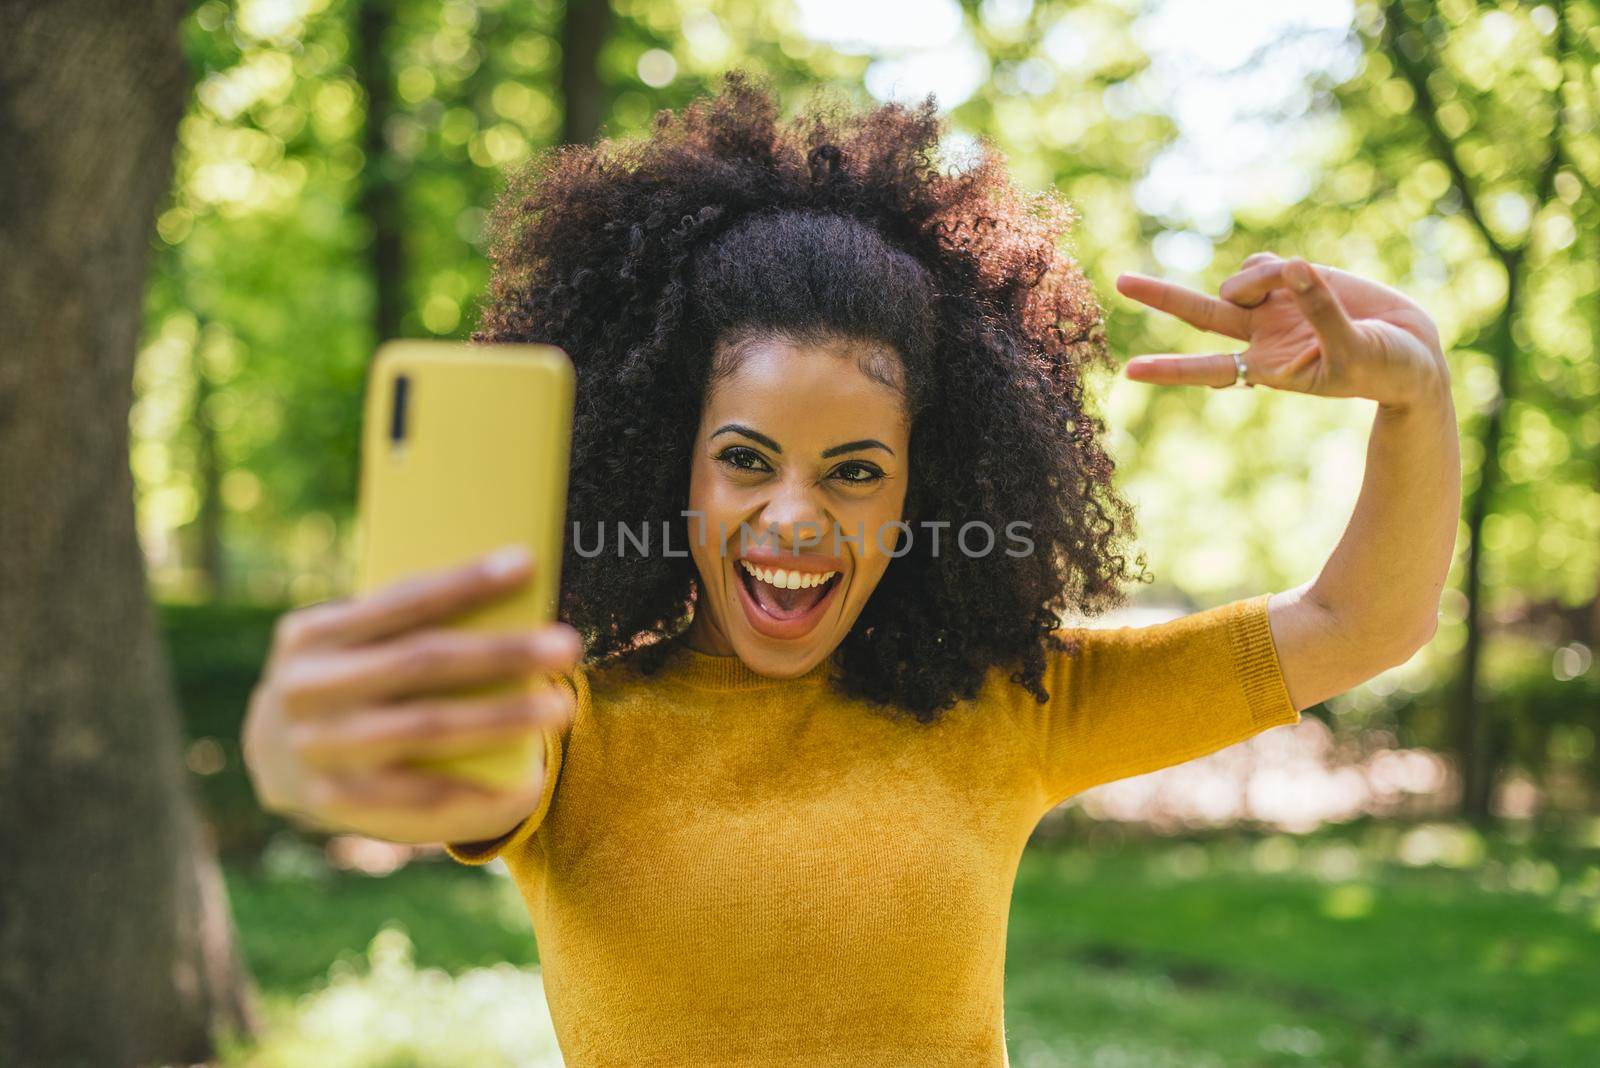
743	458
857	472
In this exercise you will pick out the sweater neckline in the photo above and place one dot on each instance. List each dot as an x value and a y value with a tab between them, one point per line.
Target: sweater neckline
709	672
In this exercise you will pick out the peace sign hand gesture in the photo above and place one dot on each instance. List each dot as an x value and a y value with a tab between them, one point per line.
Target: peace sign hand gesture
1310	330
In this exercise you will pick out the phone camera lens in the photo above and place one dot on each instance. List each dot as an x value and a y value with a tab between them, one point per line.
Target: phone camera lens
397	417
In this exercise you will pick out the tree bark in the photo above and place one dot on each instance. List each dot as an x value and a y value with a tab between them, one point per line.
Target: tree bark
583	34
116	947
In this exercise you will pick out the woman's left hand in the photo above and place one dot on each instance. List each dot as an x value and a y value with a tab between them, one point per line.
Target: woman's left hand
1310	329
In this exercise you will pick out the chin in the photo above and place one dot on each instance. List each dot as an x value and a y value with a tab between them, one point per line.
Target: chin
771	663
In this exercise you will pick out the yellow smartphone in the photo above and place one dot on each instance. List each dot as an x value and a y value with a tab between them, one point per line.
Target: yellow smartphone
464	449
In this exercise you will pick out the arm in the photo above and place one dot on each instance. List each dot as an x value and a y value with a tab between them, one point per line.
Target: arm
1375	602
1130	700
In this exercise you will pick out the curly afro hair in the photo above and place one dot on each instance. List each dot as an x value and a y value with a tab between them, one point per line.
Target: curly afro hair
649	260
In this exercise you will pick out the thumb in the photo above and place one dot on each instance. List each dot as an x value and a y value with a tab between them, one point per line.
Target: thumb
1317	302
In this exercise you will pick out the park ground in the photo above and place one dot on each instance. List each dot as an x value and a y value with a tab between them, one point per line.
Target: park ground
1363	945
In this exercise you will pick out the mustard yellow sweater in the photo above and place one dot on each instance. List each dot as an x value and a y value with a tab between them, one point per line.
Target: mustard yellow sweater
726	869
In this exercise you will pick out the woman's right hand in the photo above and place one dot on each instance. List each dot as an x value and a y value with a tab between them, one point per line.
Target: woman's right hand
353	689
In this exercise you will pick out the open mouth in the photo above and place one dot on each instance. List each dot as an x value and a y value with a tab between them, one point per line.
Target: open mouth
783	602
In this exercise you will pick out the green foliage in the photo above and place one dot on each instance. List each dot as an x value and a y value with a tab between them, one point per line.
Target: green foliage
261	311
1499	78
217	652
1463	167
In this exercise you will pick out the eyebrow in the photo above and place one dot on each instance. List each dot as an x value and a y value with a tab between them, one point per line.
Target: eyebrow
757	436
740	428
857	446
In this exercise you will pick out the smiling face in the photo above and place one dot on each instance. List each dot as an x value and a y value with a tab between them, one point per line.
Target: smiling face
800	471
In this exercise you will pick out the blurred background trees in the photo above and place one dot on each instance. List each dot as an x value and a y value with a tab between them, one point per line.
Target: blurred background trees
338	157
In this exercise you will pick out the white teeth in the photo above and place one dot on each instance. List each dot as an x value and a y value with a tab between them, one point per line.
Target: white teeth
785	579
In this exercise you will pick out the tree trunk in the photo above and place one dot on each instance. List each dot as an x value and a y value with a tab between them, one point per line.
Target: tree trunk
116	947
583	34
1594	622
209	520
379	197
1476	749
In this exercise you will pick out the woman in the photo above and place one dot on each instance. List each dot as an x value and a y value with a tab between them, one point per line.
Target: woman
783	800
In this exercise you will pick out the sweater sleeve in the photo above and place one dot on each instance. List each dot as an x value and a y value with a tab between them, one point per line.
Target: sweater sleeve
555	742
1130	700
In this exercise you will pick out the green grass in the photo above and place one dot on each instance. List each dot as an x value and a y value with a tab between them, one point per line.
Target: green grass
1238	951
293	929
1162	950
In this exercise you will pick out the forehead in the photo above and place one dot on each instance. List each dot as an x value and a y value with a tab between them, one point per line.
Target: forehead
801	392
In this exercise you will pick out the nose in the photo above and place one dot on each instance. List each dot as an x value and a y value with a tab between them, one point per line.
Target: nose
795	513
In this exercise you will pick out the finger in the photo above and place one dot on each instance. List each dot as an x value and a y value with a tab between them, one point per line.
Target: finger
1257	258
346	796
1171	370
434	729
1193	307
1335	332
1251	285
407	604
417	806
430	661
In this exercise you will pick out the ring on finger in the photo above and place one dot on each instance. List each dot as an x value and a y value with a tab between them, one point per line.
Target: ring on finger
1241	371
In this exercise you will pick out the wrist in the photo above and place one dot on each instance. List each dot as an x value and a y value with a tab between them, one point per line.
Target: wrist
1427	387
